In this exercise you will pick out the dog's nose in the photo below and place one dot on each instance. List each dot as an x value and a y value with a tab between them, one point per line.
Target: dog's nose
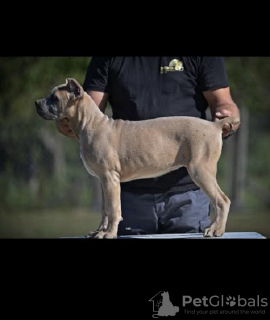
38	104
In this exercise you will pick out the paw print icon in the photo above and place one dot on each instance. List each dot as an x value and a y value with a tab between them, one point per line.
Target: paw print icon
230	301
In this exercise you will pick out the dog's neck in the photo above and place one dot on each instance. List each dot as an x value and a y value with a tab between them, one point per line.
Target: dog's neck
87	114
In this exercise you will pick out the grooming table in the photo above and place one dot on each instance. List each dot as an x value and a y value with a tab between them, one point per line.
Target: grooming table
227	235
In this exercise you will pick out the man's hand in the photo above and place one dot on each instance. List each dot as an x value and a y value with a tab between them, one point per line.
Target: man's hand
63	127
222	105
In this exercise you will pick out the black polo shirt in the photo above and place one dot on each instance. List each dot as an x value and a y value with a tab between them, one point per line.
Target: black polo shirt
142	88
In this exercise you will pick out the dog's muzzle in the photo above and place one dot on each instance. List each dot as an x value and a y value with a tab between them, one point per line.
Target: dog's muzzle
43	110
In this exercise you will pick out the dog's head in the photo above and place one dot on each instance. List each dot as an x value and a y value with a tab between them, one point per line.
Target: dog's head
61	102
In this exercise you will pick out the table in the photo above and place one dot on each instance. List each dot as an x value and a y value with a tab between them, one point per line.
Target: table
227	235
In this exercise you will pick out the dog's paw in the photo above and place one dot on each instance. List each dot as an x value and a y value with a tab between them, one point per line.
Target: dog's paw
214	231
110	235
92	234
102	235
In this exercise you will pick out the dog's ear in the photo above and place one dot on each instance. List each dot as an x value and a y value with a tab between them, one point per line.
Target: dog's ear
74	87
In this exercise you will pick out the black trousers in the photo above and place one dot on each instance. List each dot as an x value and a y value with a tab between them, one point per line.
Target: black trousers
170	212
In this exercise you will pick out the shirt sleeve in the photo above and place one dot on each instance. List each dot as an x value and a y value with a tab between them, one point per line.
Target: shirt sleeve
212	73
97	74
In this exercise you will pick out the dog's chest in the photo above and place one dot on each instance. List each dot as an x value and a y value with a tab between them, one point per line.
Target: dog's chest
86	165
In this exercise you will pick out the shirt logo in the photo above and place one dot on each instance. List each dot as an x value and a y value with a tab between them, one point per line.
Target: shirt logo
174	65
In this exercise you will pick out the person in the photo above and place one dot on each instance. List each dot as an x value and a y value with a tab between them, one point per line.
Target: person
139	88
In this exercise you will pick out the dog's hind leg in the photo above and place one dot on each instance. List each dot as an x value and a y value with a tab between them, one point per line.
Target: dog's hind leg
111	212
205	178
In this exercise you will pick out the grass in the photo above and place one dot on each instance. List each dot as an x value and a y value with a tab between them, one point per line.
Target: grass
47	223
78	222
257	221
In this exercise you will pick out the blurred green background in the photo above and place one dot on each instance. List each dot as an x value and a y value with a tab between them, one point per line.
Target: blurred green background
44	187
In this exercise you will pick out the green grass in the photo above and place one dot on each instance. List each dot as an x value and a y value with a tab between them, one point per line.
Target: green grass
256	220
48	223
78	222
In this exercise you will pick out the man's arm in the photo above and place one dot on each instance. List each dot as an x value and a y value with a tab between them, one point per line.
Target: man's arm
222	105
100	98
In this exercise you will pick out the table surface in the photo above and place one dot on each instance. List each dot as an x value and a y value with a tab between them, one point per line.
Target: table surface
227	235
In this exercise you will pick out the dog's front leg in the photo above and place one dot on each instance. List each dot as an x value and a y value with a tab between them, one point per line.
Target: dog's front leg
111	205
104	220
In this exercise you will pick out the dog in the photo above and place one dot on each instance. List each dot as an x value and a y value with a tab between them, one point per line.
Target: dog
167	308
120	150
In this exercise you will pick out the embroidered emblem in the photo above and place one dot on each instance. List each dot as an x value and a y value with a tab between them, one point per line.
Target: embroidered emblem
174	65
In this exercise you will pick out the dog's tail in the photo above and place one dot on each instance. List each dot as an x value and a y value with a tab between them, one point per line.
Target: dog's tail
228	122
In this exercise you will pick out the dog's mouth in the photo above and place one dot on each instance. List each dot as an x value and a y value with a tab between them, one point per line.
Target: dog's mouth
45	115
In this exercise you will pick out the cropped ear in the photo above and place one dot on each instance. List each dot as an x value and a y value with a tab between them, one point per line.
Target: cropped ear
74	87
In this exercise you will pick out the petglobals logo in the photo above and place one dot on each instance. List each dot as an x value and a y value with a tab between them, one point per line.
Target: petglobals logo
222	301
185	305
